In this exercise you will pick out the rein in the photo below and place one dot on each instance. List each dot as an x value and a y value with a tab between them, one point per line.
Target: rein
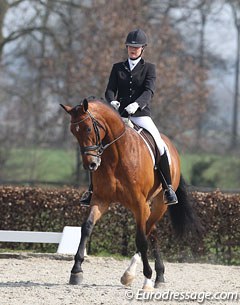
98	147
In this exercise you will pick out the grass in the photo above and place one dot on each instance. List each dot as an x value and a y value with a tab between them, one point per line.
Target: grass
211	170
40	164
108	254
59	165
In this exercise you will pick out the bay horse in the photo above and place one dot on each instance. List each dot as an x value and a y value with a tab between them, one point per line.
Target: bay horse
123	172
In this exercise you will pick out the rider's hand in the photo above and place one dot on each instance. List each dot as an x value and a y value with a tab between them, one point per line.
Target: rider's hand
115	104
132	108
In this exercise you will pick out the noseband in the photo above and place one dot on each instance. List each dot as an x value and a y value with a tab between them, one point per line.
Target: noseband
98	148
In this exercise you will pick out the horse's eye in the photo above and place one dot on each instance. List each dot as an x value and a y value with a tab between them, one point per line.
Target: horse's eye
88	129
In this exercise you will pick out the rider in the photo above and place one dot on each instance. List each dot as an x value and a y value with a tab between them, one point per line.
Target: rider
130	90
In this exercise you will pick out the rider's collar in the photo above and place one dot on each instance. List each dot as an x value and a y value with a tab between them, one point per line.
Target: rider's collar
133	62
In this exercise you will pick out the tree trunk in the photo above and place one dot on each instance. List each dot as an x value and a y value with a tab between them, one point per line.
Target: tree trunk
3	10
236	94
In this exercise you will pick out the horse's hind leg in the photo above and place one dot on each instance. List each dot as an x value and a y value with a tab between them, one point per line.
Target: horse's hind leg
96	212
159	266
157	211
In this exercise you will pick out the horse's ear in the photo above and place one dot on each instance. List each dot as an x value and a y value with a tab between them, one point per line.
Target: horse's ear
66	108
85	105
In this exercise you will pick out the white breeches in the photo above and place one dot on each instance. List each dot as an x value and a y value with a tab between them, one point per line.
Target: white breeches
147	123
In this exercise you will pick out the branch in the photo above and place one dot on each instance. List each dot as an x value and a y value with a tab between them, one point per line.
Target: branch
63	2
23	32
16	3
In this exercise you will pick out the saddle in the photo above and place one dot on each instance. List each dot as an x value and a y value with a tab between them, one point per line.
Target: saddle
149	140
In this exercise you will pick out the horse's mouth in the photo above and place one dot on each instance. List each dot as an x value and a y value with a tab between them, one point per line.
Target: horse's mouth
93	166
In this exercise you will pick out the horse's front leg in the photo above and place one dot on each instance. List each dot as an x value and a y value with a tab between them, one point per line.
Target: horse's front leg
130	273
142	246
158	209
96	212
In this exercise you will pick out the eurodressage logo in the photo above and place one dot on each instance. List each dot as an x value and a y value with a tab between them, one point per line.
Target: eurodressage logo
168	295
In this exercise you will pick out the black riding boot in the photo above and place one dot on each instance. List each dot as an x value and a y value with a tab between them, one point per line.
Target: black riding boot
166	180
87	195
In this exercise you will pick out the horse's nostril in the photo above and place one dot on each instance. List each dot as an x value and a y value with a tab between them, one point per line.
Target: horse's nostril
93	166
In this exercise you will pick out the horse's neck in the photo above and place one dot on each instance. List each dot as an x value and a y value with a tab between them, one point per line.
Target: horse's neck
115	133
114	125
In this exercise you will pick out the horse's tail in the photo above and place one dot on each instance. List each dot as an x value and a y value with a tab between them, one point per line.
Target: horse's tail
182	214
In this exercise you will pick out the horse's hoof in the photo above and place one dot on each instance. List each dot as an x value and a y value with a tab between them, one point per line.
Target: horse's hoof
159	281
76	278
148	288
127	278
147	285
158	284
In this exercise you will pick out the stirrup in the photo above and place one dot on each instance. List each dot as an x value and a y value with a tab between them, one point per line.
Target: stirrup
170	196
86	198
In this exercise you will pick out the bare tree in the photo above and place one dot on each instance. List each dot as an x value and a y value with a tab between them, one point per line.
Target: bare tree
181	97
235	5
72	57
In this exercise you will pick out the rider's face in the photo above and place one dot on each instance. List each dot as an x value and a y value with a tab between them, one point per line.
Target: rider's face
134	52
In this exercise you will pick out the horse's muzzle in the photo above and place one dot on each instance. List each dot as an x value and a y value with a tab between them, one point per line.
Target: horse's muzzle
94	164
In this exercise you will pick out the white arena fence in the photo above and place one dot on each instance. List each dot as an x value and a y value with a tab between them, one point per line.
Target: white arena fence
68	240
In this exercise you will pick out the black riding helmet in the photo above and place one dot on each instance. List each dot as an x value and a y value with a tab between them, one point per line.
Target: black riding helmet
136	38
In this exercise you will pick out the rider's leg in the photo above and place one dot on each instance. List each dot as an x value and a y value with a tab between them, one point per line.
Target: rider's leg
147	123
165	176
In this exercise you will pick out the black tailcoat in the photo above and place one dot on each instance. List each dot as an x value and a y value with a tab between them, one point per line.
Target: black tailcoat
128	86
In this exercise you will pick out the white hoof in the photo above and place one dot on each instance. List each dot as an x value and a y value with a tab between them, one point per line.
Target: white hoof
148	285
148	288
127	278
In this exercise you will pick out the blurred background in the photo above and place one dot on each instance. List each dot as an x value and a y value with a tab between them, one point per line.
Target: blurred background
60	51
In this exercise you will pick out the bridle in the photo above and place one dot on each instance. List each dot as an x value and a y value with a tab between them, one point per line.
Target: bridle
98	147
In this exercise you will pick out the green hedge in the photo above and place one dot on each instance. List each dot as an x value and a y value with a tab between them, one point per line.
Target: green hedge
38	209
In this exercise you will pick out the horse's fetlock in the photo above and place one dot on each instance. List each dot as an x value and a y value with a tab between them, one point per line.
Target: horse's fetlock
147	271
77	268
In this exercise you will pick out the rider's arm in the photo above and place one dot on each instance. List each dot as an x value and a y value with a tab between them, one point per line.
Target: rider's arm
111	90
149	87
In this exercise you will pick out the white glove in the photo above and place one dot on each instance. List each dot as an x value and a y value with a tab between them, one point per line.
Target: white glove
132	108
115	104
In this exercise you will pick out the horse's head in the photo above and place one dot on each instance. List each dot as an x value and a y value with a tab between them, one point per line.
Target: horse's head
89	133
